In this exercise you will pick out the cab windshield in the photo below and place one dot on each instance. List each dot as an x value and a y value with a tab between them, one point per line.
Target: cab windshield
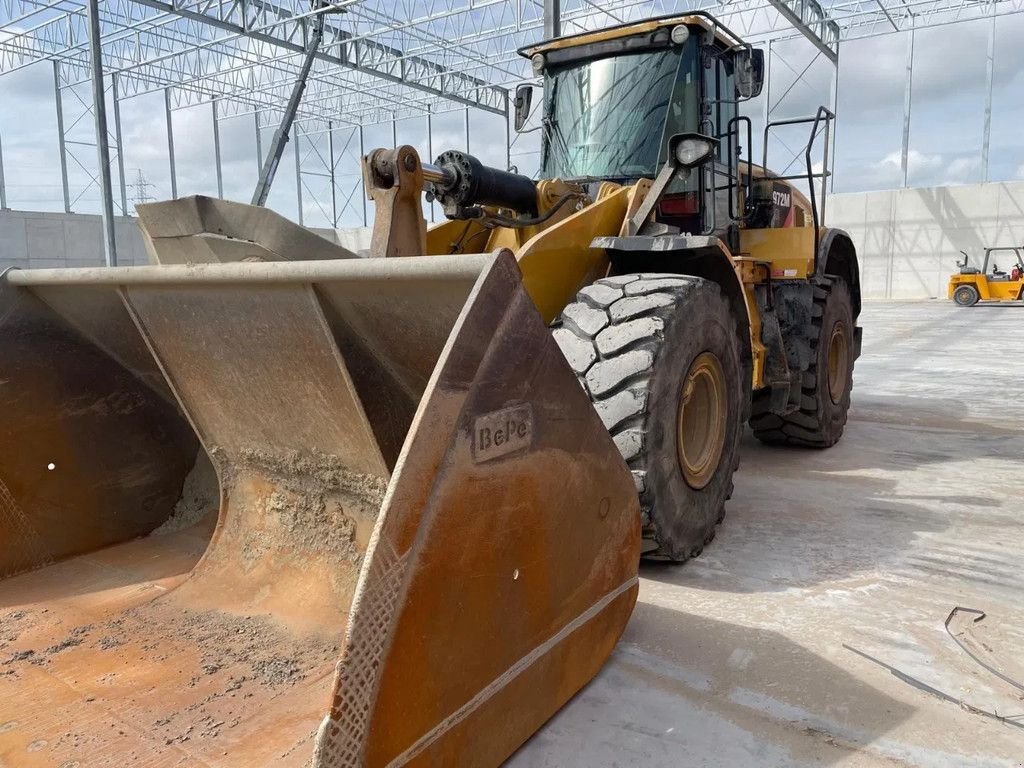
610	118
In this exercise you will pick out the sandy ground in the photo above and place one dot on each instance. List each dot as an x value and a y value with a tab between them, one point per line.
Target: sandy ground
757	654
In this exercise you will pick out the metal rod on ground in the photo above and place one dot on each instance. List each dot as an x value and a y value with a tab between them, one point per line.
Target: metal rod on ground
116	94
269	167
216	151
170	143
99	111
60	137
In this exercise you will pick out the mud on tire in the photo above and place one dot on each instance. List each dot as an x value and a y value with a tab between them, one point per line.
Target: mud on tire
632	340
825	385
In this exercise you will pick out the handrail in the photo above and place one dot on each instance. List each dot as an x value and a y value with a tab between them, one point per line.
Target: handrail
823	113
734	173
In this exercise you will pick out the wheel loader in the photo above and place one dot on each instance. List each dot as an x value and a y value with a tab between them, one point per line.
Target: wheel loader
264	503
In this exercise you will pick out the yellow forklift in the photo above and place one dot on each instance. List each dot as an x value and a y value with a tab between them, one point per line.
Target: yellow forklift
971	285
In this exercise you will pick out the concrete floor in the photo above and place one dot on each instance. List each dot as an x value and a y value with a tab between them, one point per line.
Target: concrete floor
744	657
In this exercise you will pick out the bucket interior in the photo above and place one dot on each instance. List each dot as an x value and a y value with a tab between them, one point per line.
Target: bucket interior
190	478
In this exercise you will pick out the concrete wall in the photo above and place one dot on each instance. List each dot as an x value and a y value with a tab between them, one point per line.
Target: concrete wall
41	240
33	240
908	240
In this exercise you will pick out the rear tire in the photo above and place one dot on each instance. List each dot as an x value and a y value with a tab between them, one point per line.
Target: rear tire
825	385
966	296
659	357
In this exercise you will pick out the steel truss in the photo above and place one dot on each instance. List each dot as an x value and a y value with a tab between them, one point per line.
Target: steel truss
380	61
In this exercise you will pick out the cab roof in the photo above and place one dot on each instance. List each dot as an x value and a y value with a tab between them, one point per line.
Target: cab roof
706	21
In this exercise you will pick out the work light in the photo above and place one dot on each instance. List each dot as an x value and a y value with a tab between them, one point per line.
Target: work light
691	152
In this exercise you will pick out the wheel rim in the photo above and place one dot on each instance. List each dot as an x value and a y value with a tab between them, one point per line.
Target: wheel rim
701	423
838	362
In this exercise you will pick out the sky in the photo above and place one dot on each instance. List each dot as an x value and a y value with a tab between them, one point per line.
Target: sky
947	126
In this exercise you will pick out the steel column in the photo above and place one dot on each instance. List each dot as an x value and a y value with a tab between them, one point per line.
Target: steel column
467	129
116	93
170	144
767	97
362	177
259	145
907	92
298	172
334	189
394	131
3	185
430	153
508	135
216	150
99	111
62	150
430	135
989	76
269	167
552	19
835	122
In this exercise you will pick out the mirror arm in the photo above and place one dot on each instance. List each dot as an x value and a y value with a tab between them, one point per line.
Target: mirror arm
665	177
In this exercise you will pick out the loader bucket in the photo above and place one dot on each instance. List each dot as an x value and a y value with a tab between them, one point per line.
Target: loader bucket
199	229
424	540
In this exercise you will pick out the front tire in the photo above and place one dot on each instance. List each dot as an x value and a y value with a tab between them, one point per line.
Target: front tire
659	357
966	296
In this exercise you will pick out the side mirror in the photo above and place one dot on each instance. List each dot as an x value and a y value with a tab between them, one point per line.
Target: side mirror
749	68
522	103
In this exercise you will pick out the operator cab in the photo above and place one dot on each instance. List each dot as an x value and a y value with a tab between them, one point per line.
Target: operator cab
614	99
991	269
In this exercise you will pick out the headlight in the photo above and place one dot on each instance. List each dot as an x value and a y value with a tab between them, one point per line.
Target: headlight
692	152
680	34
537	60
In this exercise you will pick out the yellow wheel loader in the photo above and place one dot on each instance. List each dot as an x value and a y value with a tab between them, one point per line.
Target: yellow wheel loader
264	503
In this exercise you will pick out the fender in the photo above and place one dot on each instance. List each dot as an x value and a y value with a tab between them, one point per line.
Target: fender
837	255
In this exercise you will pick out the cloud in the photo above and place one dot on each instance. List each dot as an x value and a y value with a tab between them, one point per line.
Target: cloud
917	162
963	170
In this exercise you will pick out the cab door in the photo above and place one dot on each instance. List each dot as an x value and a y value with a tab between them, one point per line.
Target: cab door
720	107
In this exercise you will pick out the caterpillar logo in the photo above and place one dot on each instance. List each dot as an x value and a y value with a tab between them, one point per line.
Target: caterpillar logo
781	198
